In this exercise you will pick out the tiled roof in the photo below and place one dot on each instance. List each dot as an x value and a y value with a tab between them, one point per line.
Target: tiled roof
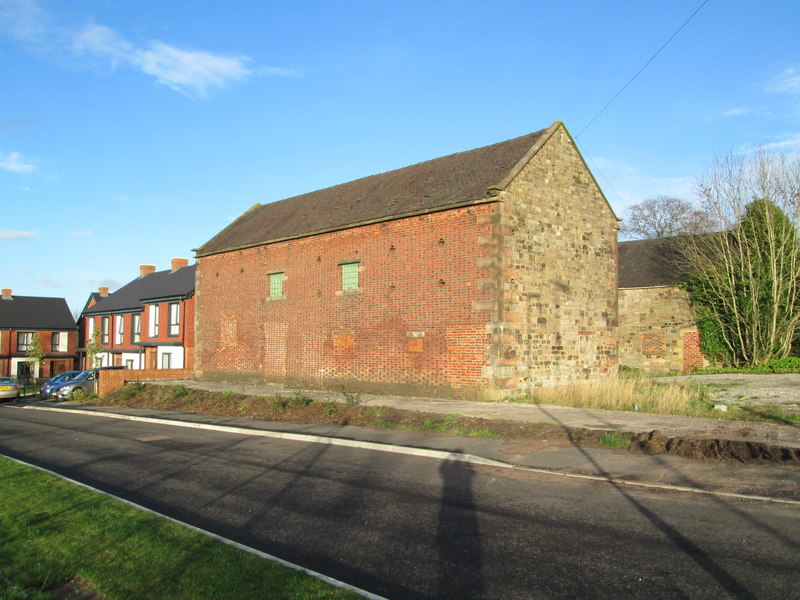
438	184
155	286
35	312
649	263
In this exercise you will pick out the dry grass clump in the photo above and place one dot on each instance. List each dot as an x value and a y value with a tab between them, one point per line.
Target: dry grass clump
633	394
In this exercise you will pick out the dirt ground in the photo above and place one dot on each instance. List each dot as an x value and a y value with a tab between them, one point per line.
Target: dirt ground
747	389
301	409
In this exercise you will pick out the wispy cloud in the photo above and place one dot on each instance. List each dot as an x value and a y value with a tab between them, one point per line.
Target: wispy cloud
11	234
739	111
48	282
191	72
787	81
790	143
14	162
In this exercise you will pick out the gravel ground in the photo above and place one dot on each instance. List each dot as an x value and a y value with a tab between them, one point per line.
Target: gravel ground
750	390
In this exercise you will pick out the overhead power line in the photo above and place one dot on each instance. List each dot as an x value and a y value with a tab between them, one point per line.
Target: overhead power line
630	81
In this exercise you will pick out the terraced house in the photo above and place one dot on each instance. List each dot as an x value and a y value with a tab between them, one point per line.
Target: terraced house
23	318
480	274
147	323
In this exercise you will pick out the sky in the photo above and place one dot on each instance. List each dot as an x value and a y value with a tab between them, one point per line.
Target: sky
133	132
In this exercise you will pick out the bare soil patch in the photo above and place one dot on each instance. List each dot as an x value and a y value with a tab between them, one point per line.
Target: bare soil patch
529	436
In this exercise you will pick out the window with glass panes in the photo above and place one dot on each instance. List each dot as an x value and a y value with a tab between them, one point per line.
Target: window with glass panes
276	285
350	276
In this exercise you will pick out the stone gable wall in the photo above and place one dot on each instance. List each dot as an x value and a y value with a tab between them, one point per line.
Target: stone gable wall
555	299
657	330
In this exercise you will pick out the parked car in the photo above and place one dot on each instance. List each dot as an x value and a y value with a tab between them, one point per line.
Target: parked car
86	381
49	388
8	388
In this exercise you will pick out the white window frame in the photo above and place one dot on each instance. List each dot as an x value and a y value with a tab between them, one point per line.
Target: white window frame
152	320
136	328
119	329
174	319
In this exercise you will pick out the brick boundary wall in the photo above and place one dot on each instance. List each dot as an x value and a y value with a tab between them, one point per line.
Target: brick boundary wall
111	380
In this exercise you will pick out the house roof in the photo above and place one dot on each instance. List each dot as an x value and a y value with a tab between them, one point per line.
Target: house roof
161	285
650	263
35	312
455	180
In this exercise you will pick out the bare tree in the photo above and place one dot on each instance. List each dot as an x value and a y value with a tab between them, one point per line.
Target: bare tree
664	216
746	282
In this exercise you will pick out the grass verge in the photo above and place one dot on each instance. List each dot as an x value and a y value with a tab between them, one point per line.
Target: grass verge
52	531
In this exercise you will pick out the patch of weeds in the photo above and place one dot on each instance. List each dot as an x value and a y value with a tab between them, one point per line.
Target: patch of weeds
281	402
177	391
226	394
483	433
352	398
300	398
615	439
130	390
330	409
457	431
80	395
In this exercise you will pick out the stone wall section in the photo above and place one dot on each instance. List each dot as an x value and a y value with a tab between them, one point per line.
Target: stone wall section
412	327
554	295
657	330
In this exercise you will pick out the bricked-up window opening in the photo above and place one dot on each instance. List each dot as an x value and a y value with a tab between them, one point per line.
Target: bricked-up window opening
276	285
166	360
174	319
153	317
118	330
654	343
136	328
349	276
24	341
104	331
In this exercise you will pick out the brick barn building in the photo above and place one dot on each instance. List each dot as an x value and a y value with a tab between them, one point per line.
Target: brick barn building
479	274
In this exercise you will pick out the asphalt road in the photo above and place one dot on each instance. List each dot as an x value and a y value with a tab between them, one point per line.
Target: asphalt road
408	527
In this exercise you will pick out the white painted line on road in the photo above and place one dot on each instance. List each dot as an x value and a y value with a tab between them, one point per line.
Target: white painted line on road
219	538
423	452
285	435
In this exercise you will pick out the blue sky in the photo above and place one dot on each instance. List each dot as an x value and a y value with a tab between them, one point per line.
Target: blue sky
132	132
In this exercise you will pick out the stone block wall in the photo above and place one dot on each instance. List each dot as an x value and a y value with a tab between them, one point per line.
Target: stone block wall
554	300
657	330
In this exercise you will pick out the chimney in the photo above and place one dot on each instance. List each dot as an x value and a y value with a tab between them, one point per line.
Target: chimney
6	293
146	270
103	290
179	263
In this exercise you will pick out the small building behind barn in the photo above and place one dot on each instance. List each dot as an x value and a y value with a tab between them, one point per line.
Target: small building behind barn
657	327
481	274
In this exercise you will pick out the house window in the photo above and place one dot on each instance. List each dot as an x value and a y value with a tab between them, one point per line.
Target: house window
276	285
350	276
24	341
174	319
153	318
89	328
136	328
166	360
104	331
128	363
118	329
58	342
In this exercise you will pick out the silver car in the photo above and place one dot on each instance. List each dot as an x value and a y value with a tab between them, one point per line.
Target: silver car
8	388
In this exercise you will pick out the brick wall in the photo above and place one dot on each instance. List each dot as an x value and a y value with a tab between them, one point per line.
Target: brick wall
410	328
554	304
116	378
657	330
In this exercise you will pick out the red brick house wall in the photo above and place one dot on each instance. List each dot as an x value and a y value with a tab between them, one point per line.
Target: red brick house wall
410	327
